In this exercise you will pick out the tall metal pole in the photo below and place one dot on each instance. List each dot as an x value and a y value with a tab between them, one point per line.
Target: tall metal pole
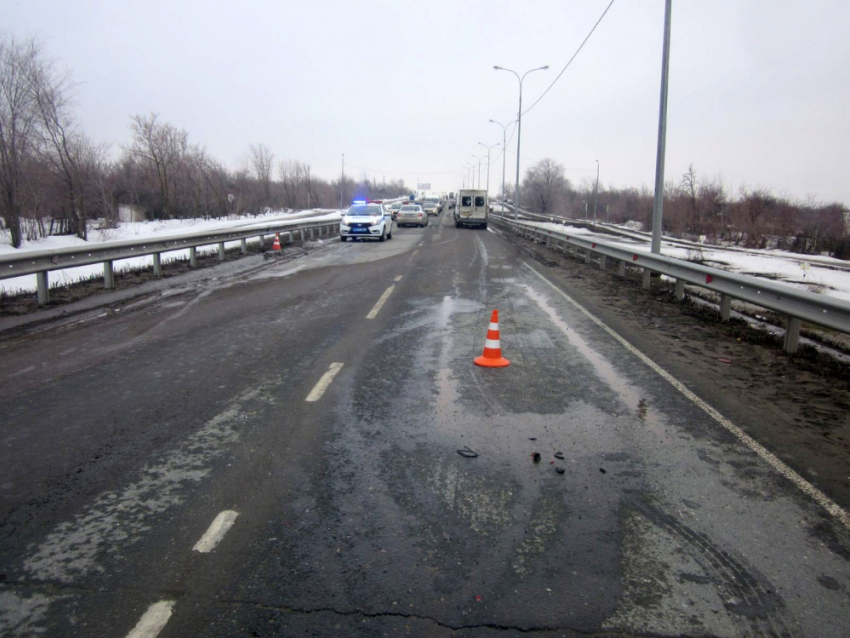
596	193
658	209
519	127
504	151
479	169
488	162
504	157
342	182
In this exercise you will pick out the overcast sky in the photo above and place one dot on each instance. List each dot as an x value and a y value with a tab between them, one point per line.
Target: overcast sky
759	89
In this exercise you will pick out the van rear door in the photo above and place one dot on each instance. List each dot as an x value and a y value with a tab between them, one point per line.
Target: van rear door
481	206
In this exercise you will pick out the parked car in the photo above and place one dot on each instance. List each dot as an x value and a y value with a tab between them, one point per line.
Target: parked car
412	215
364	220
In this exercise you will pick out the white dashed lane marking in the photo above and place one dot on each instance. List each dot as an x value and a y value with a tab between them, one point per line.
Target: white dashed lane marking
396	279
820	498
374	312
319	389
153	621
217	529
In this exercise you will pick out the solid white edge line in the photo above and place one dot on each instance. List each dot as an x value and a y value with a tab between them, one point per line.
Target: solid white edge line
377	308
820	498
319	389
153	621
216	531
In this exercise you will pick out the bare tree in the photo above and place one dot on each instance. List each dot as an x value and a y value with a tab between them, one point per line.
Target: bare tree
689	187
545	184
75	160
18	119
159	148
261	159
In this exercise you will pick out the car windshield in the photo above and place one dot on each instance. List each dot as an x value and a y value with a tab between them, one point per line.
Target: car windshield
364	211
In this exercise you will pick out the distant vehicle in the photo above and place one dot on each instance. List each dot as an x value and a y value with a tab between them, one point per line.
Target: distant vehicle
364	220
394	209
452	203
473	208
432	205
412	215
451	195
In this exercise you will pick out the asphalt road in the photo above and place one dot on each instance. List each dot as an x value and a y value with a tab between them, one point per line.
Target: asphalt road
320	403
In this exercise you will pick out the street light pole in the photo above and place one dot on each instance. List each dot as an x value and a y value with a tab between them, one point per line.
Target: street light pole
519	125
596	193
479	169
658	208
504	150
488	163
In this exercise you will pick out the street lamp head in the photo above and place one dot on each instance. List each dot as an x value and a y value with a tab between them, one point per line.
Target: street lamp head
543	68
498	68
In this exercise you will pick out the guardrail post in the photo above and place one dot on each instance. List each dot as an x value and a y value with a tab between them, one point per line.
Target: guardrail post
244	246
587	255
193	257
725	307
647	278
621	268
680	289
792	335
221	251
157	264
603	262
301	232
289	237
43	287
108	275
311	234
548	241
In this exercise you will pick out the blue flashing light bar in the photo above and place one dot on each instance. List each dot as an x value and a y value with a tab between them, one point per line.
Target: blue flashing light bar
359	201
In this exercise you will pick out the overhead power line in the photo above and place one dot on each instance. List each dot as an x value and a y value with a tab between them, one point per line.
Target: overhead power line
423	173
571	59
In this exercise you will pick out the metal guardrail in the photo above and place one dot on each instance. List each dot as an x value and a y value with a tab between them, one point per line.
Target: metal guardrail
41	262
796	304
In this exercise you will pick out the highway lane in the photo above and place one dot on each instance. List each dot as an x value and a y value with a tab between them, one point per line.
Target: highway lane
355	514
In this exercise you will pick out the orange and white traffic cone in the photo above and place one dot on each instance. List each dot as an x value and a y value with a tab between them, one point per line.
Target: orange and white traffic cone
492	357
276	244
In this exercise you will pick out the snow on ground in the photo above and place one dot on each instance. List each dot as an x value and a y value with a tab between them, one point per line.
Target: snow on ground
774	264
159	230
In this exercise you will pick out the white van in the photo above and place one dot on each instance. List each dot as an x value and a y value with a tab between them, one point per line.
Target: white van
473	208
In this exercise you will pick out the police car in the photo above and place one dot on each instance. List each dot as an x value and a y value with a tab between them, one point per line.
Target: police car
365	219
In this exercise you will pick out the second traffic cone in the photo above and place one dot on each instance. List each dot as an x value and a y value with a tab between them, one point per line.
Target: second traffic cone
492	357
276	244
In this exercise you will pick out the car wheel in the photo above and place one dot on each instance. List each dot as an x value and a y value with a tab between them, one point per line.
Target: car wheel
341	238
484	226
390	236
383	236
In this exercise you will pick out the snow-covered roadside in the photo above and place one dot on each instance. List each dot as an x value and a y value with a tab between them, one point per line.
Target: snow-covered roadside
774	265
159	230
